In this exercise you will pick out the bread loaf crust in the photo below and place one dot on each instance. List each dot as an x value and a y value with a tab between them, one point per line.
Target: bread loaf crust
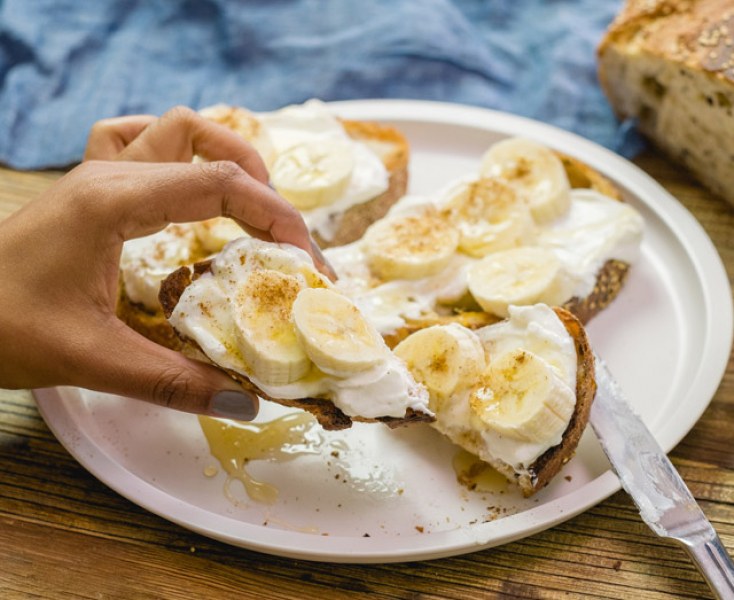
669	64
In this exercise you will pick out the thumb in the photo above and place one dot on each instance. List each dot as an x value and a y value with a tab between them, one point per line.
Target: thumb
140	368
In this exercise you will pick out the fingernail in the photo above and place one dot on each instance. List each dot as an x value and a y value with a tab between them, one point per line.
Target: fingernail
323	263
230	404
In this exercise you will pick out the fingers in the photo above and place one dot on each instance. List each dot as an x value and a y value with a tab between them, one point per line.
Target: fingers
109	137
167	378
137	199
182	133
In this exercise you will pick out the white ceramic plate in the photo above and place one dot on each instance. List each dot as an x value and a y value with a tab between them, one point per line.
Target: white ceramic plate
667	338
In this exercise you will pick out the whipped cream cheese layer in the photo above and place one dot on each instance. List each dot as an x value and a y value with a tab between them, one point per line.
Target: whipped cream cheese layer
242	315
595	229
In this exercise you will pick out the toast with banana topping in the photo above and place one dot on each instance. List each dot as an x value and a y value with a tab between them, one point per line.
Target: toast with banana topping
264	314
480	289
517	393
516	233
342	175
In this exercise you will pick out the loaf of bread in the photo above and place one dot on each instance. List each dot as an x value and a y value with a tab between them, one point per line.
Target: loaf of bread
669	64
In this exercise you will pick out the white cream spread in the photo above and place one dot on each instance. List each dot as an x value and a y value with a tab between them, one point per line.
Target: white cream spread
595	229
312	121
145	262
205	314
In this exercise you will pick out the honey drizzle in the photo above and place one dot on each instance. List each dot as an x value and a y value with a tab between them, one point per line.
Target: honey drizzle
234	444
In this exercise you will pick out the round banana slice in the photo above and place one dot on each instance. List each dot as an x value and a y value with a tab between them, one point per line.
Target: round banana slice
520	276
489	216
314	173
214	233
334	334
265	333
250	254
535	171
410	246
246	125
444	358
523	398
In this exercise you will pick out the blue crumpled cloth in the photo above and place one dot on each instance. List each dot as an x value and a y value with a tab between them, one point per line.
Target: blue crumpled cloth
67	63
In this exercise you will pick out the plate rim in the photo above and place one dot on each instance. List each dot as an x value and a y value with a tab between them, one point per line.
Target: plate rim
53	403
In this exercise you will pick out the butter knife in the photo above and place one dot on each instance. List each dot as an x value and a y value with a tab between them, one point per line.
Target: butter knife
646	474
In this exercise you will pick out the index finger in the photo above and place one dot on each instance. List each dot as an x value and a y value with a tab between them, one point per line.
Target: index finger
181	133
143	198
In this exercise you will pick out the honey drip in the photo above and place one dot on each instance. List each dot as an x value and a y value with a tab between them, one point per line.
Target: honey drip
476	475
234	444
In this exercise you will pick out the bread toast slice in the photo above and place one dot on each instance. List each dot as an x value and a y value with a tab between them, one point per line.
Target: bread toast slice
386	142
329	416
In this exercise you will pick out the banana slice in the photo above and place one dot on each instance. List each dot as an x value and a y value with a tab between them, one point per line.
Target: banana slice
265	333
534	171
251	254
520	276
313	173
334	334
444	358
246	125
214	233
410	246
489	217
523	398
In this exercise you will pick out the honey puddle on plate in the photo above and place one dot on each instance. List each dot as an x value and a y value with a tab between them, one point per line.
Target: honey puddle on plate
234	444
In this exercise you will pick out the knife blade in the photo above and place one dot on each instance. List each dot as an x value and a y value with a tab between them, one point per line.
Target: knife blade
658	491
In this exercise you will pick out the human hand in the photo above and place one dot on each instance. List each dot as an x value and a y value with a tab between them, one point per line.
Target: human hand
59	260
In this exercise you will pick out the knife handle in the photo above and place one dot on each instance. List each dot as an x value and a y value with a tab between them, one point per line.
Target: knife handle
714	564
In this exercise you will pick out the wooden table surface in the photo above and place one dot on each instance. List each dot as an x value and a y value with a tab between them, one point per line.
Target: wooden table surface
63	534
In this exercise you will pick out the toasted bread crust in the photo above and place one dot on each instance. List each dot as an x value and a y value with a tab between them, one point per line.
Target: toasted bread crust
328	415
153	326
582	176
386	141
549	463
609	282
